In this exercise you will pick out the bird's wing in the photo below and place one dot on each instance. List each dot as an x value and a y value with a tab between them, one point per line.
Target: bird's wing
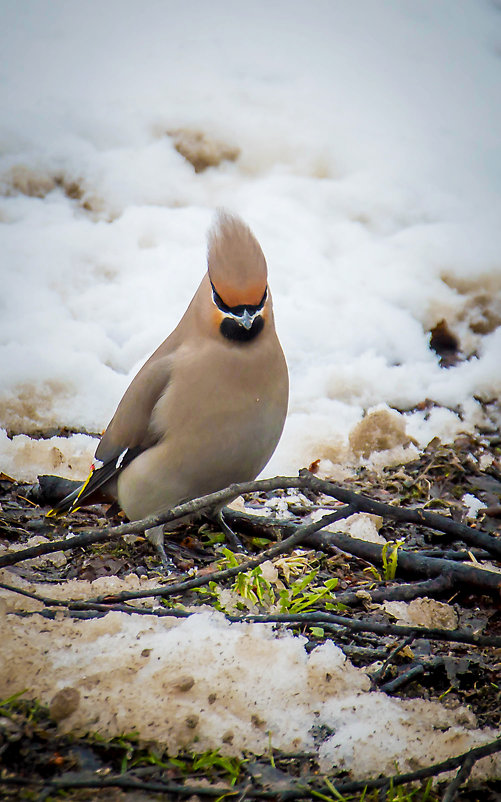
130	427
128	433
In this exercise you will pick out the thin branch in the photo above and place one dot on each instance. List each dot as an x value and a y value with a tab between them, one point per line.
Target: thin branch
383	792
451	635
72	780
378	676
250	523
403	679
95	535
416	516
302	791
405	592
445	570
30	595
104	602
477	753
352	598
298	619
301	533
416	670
361	652
410	561
450	570
357	501
457	556
461	777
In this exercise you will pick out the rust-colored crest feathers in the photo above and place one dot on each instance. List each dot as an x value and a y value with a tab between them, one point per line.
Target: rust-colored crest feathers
237	267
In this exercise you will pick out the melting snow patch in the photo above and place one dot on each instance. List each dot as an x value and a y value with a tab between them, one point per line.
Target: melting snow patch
423	612
361	525
474	505
26	458
204	683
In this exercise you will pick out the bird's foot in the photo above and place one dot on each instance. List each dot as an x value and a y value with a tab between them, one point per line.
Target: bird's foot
156	537
233	539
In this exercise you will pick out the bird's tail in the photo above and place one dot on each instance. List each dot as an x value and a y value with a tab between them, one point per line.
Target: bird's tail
101	478
70	503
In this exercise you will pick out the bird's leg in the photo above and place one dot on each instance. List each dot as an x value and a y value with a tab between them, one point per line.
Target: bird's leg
156	537
230	535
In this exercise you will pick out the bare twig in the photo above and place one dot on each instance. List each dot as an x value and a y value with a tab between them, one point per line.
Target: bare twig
302	791
383	792
414	590
301	533
378	676
461	777
416	516
447	570
403	679
477	753
352	598
458	556
298	619
452	635
250	524
95	535
98	611
174	589
410	561
356	501
127	782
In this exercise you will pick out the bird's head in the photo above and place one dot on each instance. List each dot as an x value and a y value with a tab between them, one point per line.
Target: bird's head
238	277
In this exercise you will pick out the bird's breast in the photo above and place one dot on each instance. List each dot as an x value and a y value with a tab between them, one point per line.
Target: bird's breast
218	422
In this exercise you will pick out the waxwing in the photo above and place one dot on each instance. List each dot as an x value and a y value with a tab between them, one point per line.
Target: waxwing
208	407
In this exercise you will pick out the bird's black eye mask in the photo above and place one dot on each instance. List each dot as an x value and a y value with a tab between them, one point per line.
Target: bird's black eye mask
240	323
238	311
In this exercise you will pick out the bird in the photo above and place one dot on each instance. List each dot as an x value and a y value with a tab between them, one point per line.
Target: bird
207	409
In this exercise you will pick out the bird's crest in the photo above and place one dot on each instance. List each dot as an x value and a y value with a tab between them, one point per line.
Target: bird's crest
237	267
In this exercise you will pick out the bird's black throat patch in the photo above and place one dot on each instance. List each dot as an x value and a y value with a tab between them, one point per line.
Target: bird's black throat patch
233	330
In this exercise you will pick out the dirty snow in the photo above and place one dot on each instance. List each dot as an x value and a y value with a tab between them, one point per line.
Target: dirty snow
423	612
203	683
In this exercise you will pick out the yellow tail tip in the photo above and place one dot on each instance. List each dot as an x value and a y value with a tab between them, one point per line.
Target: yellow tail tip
55	512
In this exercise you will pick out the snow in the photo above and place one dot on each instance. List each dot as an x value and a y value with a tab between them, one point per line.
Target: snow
474	506
202	683
369	168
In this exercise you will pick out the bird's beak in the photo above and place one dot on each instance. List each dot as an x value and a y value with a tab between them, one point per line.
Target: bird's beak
246	320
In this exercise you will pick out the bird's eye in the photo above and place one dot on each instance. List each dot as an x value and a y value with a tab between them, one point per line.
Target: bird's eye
219	301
